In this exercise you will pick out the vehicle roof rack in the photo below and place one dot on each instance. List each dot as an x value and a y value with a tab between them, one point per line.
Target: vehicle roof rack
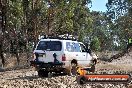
61	37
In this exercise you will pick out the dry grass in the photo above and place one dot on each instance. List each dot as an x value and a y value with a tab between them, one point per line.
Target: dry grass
123	67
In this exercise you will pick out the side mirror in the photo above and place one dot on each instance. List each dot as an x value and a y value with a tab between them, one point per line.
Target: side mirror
89	51
84	50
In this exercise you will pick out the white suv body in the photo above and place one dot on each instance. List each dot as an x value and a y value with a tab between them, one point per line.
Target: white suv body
61	51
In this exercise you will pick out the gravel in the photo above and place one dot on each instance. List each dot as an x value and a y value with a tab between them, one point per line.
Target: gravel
28	78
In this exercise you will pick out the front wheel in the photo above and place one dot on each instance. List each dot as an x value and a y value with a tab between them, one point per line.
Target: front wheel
81	80
73	69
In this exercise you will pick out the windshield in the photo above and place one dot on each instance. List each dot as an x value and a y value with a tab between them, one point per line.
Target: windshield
49	45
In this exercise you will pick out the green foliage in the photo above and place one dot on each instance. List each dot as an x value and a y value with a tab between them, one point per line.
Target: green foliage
71	16
120	12
95	44
26	19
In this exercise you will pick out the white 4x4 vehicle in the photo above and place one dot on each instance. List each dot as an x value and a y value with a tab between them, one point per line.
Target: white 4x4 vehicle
57	55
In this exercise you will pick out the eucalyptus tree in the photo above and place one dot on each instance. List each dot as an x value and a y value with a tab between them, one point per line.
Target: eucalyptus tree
3	9
121	12
100	30
70	16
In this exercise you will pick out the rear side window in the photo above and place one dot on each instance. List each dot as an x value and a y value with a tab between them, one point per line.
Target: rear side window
72	47
49	45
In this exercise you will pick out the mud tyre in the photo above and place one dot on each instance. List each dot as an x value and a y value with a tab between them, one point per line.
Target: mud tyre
66	71
42	73
73	70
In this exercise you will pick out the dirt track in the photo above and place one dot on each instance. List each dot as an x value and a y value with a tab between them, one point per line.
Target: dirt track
27	78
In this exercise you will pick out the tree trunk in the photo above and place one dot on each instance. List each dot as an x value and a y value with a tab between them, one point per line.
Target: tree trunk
26	20
2	56
3	26
17	56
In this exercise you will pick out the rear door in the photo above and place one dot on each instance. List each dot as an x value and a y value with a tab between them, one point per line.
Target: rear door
48	50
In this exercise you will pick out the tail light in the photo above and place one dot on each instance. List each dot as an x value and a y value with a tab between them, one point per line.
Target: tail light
63	57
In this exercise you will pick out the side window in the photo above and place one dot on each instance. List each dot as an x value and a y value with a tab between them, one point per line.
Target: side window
69	47
76	47
72	47
83	49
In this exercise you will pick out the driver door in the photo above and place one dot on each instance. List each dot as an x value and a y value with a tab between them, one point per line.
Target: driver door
85	57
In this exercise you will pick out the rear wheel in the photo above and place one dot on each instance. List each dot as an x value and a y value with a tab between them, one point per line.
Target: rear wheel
42	73
73	67
66	71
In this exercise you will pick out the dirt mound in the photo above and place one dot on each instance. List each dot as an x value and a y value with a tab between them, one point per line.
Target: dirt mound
121	54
